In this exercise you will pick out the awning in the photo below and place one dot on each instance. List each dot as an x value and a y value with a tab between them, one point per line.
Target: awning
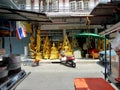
112	29
22	15
103	14
88	35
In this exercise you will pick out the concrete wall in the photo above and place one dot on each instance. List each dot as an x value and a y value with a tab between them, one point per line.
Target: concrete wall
68	26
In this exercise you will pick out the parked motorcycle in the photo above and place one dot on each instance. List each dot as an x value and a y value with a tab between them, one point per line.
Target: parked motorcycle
68	60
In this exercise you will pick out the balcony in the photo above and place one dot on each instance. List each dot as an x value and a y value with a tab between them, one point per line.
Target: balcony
56	11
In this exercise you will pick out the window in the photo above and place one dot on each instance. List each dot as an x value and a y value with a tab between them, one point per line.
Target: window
80	5
86	5
73	5
55	5
48	6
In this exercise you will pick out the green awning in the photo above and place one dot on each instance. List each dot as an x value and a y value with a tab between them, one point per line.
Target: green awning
88	35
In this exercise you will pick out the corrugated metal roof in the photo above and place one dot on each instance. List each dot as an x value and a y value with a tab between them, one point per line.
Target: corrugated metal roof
22	15
103	14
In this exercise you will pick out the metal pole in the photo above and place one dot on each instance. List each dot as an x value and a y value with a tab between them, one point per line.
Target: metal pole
105	75
110	59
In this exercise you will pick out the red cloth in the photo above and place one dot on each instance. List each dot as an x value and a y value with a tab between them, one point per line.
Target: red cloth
92	84
93	50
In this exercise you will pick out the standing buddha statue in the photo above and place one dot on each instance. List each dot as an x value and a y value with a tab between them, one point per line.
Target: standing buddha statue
32	47
38	45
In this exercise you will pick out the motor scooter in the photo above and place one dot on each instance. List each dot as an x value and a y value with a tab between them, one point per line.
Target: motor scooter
68	60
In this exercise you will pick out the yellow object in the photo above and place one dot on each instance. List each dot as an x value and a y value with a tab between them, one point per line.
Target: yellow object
67	47
95	55
32	47
46	48
27	26
35	48
54	52
38	56
38	41
47	54
59	47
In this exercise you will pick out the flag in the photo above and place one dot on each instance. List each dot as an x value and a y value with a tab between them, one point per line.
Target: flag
28	26
21	31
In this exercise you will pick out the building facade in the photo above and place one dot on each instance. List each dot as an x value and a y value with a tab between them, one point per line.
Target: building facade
54	8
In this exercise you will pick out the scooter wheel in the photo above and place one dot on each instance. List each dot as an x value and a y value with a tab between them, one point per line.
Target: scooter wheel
74	65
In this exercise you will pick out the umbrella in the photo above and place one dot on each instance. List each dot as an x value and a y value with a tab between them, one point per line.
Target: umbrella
88	34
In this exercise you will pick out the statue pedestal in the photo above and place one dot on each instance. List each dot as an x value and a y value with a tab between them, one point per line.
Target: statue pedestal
77	54
87	55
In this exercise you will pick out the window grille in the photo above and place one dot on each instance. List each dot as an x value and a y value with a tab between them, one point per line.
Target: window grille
73	6
80	5
55	5
86	5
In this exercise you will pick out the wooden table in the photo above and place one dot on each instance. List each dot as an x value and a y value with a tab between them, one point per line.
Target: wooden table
92	84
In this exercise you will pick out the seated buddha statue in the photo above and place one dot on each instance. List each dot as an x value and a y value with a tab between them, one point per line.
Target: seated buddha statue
68	51
54	52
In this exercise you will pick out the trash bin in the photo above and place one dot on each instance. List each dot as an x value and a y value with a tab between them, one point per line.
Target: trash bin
14	64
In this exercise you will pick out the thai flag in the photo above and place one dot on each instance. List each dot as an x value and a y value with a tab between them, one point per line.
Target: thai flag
21	32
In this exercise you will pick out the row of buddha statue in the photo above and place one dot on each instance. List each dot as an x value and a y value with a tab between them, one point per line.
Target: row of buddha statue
43	48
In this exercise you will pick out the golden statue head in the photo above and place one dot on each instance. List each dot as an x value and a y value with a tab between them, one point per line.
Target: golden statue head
53	45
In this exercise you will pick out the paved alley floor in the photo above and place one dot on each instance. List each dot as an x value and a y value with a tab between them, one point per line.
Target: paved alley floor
55	76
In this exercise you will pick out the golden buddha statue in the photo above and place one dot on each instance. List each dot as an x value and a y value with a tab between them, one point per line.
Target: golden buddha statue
38	40
32	47
35	48
67	47
60	47
38	45
47	53
54	52
46	48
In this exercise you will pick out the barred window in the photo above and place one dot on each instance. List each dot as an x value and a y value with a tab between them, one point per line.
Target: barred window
73	5
55	5
80	5
86	5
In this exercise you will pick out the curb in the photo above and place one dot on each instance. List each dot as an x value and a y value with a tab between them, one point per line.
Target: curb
81	60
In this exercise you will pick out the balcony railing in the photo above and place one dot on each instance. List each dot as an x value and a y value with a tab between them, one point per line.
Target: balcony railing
57	9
